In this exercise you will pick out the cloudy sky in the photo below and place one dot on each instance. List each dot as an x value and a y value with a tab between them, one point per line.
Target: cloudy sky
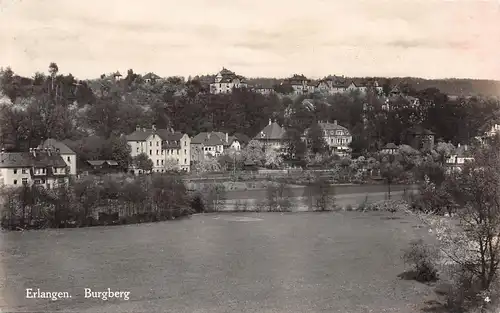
426	38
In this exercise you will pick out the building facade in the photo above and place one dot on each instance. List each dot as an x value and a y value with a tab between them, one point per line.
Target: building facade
272	136
225	81
212	144
163	147
41	167
337	137
68	155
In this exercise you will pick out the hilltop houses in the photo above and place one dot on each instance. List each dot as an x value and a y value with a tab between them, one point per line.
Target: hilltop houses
212	144
161	146
225	81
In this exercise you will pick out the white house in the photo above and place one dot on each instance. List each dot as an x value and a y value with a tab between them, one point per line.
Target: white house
212	144
42	167
459	158
161	146
68	155
225	81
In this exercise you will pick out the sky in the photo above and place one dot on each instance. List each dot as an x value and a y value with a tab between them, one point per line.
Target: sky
258	38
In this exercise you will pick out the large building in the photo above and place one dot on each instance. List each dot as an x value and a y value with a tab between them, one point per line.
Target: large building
212	144
42	167
337	137
225	81
68	155
162	146
300	84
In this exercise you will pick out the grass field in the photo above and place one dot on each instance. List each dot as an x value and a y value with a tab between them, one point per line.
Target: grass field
269	262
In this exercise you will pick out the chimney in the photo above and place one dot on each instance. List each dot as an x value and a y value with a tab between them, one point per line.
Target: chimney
208	135
153	127
49	151
227	137
172	130
335	122
137	128
270	122
34	152
144	129
459	145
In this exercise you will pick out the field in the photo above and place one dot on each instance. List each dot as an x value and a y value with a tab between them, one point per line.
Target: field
269	262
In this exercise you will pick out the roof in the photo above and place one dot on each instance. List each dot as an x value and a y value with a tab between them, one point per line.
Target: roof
101	162
213	139
271	131
151	75
331	126
390	145
27	159
143	133
54	144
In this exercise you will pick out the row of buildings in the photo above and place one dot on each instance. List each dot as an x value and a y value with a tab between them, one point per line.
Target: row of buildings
226	80
52	163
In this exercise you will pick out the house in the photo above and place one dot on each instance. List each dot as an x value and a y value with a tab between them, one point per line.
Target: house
300	84
337	137
264	89
103	166
42	167
307	104
117	76
494	130
66	153
419	138
272	136
225	81
331	86
390	148
212	144
151	77
161	146
457	160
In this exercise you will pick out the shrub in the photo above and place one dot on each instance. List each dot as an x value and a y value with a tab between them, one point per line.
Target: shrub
423	258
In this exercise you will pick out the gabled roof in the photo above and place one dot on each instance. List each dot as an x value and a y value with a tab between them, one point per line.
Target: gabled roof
272	131
27	159
151	75
57	145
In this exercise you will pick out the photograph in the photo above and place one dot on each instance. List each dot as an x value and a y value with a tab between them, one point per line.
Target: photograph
338	156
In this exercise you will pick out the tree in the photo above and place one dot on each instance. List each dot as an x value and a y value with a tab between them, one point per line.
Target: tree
390	170
118	149
143	162
315	139
254	153
273	159
53	70
321	194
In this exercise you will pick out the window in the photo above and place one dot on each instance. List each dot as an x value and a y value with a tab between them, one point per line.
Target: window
185	143
137	149
150	152
157	152
69	159
157	143
25	181
43	170
150	143
24	171
15	181
15	171
177	152
157	162
185	151
161	152
185	161
161	162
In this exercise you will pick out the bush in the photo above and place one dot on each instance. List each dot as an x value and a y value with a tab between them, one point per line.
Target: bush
423	258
